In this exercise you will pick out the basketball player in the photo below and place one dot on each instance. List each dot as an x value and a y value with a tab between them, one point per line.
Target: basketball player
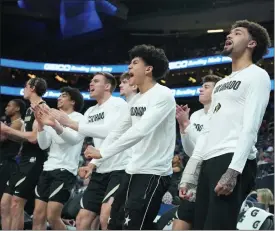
8	146
125	89
59	172
190	129
128	92
99	121
31	163
226	146
149	126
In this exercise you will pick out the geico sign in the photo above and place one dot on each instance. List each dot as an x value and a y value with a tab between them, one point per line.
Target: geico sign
57	67
178	64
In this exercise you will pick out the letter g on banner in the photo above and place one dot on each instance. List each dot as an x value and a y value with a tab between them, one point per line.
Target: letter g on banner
178	65
253	219
57	67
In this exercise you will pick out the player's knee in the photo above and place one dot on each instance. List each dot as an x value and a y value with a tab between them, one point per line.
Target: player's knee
84	219
39	215
5	207
17	204
80	218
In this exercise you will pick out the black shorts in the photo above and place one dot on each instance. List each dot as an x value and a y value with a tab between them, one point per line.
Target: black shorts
55	185
8	168
213	212
186	211
23	183
138	201
101	187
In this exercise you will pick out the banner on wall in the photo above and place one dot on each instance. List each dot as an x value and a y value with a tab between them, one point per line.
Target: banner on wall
78	68
183	92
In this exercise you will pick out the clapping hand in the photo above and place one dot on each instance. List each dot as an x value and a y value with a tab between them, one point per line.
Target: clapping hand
92	153
61	116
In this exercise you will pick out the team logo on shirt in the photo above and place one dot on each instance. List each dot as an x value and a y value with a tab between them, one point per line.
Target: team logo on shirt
137	111
217	108
27	118
228	86
97	117
198	127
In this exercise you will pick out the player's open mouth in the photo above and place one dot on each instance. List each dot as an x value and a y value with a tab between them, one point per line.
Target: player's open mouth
228	43
131	74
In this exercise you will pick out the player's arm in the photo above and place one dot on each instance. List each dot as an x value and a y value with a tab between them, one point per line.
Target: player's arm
255	105
44	139
121	125
16	126
152	117
21	136
101	131
67	134
188	138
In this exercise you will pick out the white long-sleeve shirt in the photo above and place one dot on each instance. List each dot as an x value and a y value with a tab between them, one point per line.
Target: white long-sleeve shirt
150	128
238	106
99	121
193	130
65	148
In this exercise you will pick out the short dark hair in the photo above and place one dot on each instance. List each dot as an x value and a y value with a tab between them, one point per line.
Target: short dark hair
152	56
21	104
110	79
211	78
39	85
259	34
76	96
125	75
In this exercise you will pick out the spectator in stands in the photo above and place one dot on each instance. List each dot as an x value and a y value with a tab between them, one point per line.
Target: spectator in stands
265	196
177	171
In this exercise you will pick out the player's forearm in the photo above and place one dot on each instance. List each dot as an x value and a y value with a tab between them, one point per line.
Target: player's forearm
20	136
94	130
15	138
183	126
245	143
58	128
188	141
70	136
44	141
73	125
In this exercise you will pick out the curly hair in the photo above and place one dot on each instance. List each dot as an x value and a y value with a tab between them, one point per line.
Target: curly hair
259	34
39	85
152	56
75	96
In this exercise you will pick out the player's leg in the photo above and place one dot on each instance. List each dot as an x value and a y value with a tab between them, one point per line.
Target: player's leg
116	219
219	206
5	211
144	200
60	191
8	171
184	216
202	199
39	221
30	170
17	212
113	185
42	191
91	201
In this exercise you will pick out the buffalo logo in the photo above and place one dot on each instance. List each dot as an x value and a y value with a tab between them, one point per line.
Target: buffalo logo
217	108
